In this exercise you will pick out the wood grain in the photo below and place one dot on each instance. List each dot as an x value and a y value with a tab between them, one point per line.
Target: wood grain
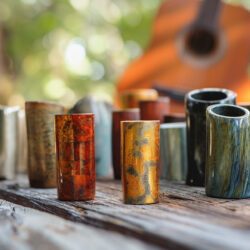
32	229
185	218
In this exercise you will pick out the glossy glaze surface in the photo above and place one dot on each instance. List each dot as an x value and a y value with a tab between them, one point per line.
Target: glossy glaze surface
75	149
102	111
22	143
228	152
117	117
41	143
9	138
197	102
154	109
140	161
173	151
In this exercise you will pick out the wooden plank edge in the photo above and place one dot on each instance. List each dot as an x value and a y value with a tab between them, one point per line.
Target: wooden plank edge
80	217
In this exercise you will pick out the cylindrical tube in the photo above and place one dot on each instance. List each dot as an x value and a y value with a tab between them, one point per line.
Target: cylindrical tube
154	109
41	143
102	112
140	161
8	141
75	150
174	117
228	152
22	143
173	151
118	116
197	102
131	98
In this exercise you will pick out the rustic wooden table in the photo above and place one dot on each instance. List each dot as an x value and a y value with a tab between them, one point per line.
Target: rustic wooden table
184	219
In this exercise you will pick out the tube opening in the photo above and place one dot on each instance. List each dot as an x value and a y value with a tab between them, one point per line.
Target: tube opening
229	111
209	95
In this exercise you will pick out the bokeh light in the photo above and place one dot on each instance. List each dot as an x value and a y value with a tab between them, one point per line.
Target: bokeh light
63	50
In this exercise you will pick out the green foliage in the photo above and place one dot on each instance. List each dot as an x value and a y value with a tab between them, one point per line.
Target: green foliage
64	49
107	34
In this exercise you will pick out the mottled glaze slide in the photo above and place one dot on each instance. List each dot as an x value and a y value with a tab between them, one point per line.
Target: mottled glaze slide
75	151
173	151
197	102
102	111
9	143
228	152
154	109
117	117
140	161
41	143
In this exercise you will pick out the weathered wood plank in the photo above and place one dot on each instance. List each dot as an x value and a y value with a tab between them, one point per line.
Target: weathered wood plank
185	217
25	229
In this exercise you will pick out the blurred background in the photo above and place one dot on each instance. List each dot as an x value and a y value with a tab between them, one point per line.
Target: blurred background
61	50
